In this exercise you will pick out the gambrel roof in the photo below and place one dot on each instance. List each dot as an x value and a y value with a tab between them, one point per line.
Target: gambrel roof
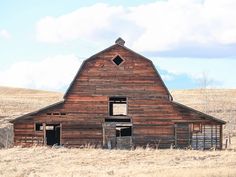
107	49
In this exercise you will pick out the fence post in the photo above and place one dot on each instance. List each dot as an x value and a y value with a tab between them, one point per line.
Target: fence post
6	144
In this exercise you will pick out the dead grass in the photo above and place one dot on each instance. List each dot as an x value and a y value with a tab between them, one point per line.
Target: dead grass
18	101
43	161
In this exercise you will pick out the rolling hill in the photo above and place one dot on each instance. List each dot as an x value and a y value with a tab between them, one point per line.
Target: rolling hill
18	101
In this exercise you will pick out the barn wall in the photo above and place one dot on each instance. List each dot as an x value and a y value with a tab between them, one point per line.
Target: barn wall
101	77
85	108
25	134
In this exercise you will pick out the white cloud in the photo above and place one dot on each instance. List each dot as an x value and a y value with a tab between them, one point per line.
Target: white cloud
221	71
4	34
82	23
52	73
167	77
155	26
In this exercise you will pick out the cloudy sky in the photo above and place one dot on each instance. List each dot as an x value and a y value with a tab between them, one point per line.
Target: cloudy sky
189	41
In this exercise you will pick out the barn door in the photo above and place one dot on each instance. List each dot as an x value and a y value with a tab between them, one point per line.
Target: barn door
117	135
182	135
123	137
109	135
52	134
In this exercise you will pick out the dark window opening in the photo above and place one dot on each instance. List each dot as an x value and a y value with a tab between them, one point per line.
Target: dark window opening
117	106
117	120
53	134
56	113
118	60
39	127
123	131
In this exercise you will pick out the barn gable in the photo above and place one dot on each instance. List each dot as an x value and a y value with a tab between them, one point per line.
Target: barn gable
128	58
118	100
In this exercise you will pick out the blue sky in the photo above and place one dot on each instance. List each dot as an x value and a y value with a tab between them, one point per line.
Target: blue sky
188	40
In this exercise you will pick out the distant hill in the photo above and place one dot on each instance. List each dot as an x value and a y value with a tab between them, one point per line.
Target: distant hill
220	103
18	101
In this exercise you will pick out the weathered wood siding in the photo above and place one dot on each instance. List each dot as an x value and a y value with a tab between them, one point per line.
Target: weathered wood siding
183	135
150	108
25	134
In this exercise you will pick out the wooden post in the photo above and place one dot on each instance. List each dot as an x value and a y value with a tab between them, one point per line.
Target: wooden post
221	137
61	134
226	143
216	136
189	135
44	135
103	135
212	126
175	136
204	134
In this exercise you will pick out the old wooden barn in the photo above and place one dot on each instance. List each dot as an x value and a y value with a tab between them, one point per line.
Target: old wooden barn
118	100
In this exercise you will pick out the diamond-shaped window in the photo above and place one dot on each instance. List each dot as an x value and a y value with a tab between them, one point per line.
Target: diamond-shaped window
118	60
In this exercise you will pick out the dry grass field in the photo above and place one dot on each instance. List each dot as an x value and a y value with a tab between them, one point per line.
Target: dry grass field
18	101
43	161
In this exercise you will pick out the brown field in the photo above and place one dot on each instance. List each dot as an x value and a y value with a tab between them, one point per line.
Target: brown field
43	161
17	101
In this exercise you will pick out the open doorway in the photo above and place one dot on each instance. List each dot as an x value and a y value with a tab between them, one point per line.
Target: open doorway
53	132
123	131
117	134
123	137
